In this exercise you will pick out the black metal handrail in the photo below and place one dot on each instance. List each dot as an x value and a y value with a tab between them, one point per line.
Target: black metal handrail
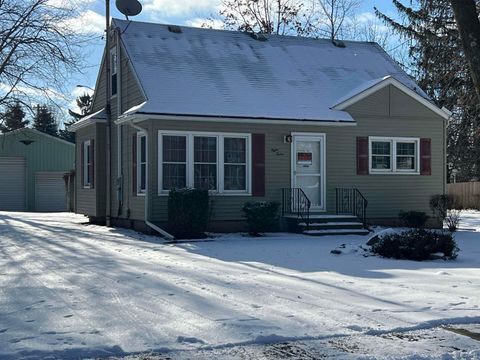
296	202
351	202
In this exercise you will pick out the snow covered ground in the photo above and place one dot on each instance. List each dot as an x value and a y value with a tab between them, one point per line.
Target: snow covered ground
72	290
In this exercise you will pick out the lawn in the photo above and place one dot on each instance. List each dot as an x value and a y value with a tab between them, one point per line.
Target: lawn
74	290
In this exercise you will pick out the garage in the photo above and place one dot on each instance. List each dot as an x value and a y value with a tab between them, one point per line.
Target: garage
12	184
50	192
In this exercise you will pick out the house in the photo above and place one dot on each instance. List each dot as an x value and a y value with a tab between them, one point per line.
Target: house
32	169
323	128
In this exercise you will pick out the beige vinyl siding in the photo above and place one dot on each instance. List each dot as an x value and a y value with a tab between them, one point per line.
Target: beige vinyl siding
86	202
133	206
131	92
130	95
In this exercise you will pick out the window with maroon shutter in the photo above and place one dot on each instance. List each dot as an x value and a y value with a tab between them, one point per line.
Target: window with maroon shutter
425	156
362	155
134	164
258	164
394	155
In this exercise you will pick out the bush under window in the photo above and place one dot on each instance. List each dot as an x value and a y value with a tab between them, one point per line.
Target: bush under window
417	244
188	213
262	216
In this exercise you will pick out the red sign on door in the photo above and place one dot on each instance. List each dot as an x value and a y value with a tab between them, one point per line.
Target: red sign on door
304	158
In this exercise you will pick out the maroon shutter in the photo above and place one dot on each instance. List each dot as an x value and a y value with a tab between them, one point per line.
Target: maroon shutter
134	164
92	163
82	160
362	155
425	156
258	164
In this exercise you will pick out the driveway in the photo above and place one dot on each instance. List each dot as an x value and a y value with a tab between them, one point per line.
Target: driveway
74	290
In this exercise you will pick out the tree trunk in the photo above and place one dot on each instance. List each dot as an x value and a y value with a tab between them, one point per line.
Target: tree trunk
468	25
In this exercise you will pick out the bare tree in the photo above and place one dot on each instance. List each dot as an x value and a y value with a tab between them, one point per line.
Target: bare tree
468	24
369	29
280	17
38	50
334	15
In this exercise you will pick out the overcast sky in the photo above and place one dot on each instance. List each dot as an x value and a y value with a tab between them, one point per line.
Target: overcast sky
179	12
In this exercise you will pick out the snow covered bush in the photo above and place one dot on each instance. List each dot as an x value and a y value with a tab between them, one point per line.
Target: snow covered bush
413	219
188	213
262	216
416	244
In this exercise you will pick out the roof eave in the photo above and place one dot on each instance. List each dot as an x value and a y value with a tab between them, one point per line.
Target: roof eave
142	116
87	120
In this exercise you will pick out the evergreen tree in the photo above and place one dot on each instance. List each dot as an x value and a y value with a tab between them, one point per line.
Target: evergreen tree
84	102
13	118
438	64
44	121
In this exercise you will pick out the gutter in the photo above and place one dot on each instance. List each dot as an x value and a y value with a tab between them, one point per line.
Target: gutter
139	116
147	193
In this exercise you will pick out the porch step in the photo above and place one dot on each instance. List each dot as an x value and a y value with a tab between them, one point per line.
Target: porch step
331	225
328	224
326	232
324	218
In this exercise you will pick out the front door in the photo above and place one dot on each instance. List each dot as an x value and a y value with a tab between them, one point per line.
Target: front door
308	168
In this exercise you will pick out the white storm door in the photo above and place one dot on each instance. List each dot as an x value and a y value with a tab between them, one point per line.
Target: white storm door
308	168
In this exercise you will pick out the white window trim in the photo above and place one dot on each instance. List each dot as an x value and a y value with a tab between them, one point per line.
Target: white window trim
393	156
141	135
220	161
86	182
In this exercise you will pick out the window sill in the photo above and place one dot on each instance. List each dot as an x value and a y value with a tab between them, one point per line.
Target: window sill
373	172
141	194
87	187
227	194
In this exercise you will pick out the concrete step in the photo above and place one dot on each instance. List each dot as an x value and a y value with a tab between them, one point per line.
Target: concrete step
324	218
336	232
331	225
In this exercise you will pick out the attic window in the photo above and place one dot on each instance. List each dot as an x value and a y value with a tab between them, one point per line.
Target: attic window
175	29
113	69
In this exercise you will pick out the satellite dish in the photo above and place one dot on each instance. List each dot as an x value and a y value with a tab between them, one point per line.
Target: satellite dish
129	7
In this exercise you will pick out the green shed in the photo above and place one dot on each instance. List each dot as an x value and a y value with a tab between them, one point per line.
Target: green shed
32	169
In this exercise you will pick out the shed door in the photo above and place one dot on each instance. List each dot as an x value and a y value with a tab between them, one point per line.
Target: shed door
12	184
50	192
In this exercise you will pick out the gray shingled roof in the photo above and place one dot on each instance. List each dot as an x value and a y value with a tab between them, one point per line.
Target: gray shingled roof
205	72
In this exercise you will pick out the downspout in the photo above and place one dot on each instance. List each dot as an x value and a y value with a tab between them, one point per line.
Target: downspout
147	193
108	111
119	182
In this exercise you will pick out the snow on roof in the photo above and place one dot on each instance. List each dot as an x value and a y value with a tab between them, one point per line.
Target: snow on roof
206	72
99	116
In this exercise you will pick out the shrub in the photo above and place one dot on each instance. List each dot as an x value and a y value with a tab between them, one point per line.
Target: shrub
261	216
453	219
413	219
416	244
440	204
188	213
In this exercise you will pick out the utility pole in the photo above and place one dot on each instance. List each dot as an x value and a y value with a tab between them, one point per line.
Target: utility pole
108	112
